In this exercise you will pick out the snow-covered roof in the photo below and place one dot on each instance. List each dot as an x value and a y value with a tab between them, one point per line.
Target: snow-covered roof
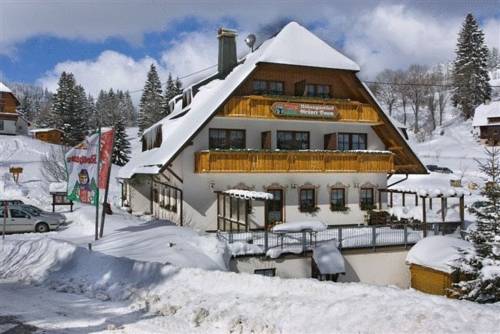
44	130
485	111
293	45
299	226
328	258
433	191
57	187
248	194
437	252
4	88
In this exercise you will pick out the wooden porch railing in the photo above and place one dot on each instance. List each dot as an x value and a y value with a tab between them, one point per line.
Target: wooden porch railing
257	106
293	161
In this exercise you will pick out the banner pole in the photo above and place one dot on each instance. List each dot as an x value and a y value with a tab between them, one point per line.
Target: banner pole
105	200
97	177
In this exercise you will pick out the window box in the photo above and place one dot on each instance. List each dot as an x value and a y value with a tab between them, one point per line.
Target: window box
367	206
338	207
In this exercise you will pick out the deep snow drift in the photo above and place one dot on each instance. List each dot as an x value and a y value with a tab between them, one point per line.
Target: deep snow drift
194	300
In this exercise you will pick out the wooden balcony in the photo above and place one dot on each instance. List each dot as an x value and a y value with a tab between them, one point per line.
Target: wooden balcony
293	162
257	106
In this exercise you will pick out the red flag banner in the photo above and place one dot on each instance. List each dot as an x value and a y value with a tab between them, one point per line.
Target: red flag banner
105	154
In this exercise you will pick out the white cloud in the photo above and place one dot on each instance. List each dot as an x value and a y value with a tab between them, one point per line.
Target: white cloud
492	33
394	37
110	70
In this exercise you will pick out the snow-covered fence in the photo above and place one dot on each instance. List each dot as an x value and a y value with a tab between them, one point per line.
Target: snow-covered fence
348	237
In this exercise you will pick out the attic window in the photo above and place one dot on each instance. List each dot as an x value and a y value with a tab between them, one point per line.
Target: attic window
322	91
151	139
493	119
187	96
262	87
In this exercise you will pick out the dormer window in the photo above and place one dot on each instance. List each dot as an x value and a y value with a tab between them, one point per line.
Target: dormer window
187	96
314	90
264	87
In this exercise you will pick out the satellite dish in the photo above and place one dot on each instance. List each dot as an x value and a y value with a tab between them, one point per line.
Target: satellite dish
250	41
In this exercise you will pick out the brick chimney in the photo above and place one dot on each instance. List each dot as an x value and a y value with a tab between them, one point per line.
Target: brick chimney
227	51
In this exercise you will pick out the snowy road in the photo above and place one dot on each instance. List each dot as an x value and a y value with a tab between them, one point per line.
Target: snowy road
57	312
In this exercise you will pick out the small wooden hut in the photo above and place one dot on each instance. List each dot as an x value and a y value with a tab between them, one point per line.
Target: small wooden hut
49	135
431	264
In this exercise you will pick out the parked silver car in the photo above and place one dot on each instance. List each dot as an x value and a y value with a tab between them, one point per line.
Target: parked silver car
35	211
20	220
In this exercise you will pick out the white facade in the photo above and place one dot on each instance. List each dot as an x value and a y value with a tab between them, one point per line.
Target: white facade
200	205
8	127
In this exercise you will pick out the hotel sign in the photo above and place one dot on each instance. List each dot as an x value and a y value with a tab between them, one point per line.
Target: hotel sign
306	110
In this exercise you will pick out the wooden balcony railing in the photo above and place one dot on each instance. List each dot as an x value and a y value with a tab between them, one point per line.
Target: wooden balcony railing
257	106
293	161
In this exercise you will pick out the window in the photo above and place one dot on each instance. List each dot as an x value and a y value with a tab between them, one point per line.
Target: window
307	200
1	212
268	87
225	139
352	141
14	213
318	90
366	198
187	96
337	198
269	272
259	87
275	87
292	140
1	125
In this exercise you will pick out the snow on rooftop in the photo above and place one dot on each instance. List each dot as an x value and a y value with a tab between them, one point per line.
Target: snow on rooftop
437	252
44	130
248	194
328	258
293	45
300	225
434	192
485	111
4	88
56	187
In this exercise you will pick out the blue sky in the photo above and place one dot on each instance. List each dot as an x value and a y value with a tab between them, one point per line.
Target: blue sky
111	44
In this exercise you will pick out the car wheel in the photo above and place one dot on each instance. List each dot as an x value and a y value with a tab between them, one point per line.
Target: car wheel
41	228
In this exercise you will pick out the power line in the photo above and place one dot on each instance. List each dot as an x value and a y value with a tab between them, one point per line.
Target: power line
413	84
179	78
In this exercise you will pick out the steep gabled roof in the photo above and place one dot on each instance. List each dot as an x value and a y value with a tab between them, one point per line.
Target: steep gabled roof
293	45
5	89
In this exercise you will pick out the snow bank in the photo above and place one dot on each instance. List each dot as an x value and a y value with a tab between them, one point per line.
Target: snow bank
300	225
437	252
198	301
56	187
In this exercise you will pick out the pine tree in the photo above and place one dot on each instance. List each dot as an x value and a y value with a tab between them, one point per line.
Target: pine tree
470	76
151	104
493	59
129	109
173	88
69	110
483	285
121	149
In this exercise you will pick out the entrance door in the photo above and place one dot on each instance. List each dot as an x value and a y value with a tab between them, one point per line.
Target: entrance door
274	210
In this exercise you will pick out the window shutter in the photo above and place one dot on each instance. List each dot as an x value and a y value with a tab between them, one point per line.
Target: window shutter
266	140
300	88
331	141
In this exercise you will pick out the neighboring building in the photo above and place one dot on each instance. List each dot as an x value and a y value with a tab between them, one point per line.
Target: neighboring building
431	264
49	135
486	123
11	121
291	119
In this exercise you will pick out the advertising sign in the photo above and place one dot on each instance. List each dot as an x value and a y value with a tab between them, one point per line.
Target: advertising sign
307	110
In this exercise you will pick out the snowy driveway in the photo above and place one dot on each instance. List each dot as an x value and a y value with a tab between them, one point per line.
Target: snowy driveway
64	312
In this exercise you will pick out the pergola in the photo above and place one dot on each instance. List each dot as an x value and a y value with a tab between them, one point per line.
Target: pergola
233	207
428	196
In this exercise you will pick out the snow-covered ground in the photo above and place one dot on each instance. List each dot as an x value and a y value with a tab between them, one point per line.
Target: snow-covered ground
151	277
